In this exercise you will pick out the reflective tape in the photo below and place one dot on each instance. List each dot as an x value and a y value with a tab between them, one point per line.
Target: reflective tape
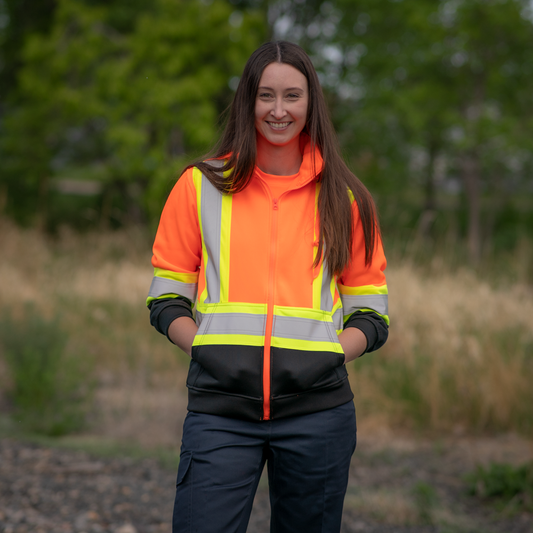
231	324
286	327
247	324
163	286
326	297
376	302
337	319
211	210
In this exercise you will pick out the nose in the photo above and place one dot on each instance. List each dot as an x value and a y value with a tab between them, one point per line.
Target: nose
278	110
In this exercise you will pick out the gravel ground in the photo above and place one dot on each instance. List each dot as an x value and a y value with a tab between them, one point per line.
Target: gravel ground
406	488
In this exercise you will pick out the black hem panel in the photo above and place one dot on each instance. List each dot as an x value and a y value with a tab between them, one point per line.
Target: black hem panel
231	406
312	401
230	370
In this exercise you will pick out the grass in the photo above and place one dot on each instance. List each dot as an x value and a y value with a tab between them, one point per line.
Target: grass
459	357
50	389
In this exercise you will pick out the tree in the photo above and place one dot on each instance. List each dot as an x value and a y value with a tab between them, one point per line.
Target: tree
425	81
122	108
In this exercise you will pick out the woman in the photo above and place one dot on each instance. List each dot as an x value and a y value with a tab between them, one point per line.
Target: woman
280	242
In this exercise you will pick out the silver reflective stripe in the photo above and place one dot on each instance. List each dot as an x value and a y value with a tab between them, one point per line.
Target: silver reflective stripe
162	286
211	209
231	323
337	318
326	299
289	327
377	302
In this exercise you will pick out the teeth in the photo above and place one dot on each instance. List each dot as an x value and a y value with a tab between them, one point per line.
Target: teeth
279	125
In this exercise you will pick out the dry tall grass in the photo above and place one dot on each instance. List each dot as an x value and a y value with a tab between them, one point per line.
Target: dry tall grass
459	357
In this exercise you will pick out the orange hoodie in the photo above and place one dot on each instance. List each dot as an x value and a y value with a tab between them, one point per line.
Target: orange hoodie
267	345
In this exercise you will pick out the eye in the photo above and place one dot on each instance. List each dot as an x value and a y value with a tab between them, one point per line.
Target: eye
264	95
293	96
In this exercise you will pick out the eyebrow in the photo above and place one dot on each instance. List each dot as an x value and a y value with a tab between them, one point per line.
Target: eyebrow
287	89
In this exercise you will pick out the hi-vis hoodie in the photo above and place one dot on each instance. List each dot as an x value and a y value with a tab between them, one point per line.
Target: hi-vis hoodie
267	345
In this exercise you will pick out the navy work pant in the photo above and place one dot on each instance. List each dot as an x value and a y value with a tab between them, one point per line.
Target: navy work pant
308	459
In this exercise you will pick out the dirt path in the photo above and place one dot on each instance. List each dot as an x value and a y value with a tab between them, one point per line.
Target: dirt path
400	487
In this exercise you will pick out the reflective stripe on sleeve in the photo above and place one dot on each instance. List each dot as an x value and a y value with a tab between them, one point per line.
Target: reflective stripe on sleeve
375	302
163	286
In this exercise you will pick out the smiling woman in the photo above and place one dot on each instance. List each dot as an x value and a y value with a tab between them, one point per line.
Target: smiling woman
277	244
280	117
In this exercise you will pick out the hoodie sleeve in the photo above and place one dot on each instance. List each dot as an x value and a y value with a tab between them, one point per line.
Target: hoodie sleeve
363	290
176	257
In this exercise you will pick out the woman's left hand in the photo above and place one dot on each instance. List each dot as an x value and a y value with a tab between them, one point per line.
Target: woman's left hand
353	342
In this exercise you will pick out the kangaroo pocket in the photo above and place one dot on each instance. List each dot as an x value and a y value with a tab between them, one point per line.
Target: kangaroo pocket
298	371
227	368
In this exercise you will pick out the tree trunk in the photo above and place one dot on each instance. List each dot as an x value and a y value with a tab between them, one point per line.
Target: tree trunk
430	203
471	175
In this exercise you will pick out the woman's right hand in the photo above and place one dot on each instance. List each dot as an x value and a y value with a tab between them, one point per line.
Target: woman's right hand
182	332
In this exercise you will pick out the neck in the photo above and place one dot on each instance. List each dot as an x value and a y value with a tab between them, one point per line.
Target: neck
279	160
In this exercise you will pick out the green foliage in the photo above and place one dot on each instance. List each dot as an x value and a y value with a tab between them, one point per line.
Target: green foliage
509	486
50	389
430	98
426	500
121	100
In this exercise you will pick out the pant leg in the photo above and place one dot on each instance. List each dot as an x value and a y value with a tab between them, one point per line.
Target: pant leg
221	462
308	466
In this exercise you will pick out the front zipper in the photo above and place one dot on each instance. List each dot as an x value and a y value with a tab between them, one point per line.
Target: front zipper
270	313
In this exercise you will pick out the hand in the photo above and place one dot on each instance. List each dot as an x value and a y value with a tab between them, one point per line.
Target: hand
353	342
182	332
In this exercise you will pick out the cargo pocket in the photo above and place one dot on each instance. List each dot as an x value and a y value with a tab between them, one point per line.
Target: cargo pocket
183	468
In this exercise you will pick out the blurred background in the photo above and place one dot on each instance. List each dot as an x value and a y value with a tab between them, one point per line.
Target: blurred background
102	103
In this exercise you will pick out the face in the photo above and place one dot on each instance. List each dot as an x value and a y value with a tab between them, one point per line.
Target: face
281	104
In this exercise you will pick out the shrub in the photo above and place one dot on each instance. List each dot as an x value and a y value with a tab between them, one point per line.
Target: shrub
506	484
49	389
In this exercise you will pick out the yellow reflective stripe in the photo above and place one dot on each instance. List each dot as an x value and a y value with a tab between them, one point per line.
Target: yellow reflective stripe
337	315
176	276
332	291
301	312
225	222
362	310
352	197
253	340
306	345
197	180
317	288
363	290
317	282
239	340
230	307
162	297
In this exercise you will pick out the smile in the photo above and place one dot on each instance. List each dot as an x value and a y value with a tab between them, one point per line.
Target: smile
279	125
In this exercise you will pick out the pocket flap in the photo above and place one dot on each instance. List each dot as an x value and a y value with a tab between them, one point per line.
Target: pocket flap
183	468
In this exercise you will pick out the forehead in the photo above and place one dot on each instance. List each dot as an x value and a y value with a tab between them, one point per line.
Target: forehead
280	75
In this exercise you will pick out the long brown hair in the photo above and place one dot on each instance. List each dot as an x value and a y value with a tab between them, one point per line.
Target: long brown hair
239	141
